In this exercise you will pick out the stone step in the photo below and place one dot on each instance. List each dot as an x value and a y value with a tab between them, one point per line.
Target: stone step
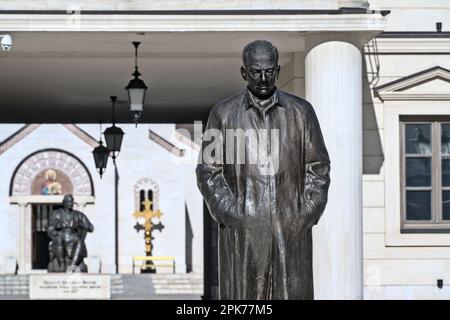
176	275
117	285
14	287
176	282
117	291
122	287
24	294
176	278
178	291
14	280
179	288
181	285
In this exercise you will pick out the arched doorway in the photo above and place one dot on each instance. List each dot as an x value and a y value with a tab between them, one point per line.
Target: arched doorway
37	187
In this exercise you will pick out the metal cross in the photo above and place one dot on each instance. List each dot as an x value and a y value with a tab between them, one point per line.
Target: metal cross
148	214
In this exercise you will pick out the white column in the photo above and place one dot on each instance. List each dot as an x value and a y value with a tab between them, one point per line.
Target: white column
22	239
333	85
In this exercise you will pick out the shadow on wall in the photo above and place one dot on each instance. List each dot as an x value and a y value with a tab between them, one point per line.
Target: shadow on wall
189	237
373	156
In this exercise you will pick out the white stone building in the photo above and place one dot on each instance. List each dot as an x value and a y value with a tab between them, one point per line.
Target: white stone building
376	72
160	162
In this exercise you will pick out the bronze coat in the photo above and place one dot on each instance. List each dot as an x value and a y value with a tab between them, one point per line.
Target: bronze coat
265	221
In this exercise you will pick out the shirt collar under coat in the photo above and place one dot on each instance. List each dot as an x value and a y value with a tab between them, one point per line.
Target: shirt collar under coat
251	101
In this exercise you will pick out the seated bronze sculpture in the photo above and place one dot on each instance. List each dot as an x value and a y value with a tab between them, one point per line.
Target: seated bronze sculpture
67	229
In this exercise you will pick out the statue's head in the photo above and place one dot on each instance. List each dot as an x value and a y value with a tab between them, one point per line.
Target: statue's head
260	68
68	201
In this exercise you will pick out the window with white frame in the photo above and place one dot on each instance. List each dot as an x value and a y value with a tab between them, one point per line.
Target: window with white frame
425	173
146	189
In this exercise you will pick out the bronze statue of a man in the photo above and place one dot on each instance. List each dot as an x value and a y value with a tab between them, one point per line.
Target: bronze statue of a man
67	229
265	216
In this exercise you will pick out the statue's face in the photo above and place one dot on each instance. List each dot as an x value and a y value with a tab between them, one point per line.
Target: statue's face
261	72
68	202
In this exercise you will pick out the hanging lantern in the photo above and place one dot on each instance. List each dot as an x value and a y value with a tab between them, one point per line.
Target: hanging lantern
101	154
136	90
113	135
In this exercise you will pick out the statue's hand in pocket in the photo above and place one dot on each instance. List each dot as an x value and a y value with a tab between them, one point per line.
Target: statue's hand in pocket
235	217
308	211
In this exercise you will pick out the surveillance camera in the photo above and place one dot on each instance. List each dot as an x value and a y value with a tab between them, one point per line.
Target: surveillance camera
6	42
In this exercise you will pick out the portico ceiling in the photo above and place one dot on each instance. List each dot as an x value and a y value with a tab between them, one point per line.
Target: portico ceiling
67	77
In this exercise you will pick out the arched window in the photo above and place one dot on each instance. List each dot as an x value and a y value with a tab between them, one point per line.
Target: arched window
146	189
143	196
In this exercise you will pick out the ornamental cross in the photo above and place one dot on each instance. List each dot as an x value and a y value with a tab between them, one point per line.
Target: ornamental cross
148	214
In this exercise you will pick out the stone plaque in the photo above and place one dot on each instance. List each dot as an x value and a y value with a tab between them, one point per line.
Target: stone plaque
70	286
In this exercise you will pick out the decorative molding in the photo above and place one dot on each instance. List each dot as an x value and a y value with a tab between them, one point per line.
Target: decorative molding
413	96
398	89
165	144
28	128
83	135
176	5
192	144
192	22
17	137
146	184
412	45
31	166
25	200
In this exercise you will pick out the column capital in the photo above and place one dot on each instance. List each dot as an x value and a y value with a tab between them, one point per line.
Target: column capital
357	38
22	205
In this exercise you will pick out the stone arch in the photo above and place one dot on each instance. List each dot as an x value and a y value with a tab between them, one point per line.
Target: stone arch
77	178
146	184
